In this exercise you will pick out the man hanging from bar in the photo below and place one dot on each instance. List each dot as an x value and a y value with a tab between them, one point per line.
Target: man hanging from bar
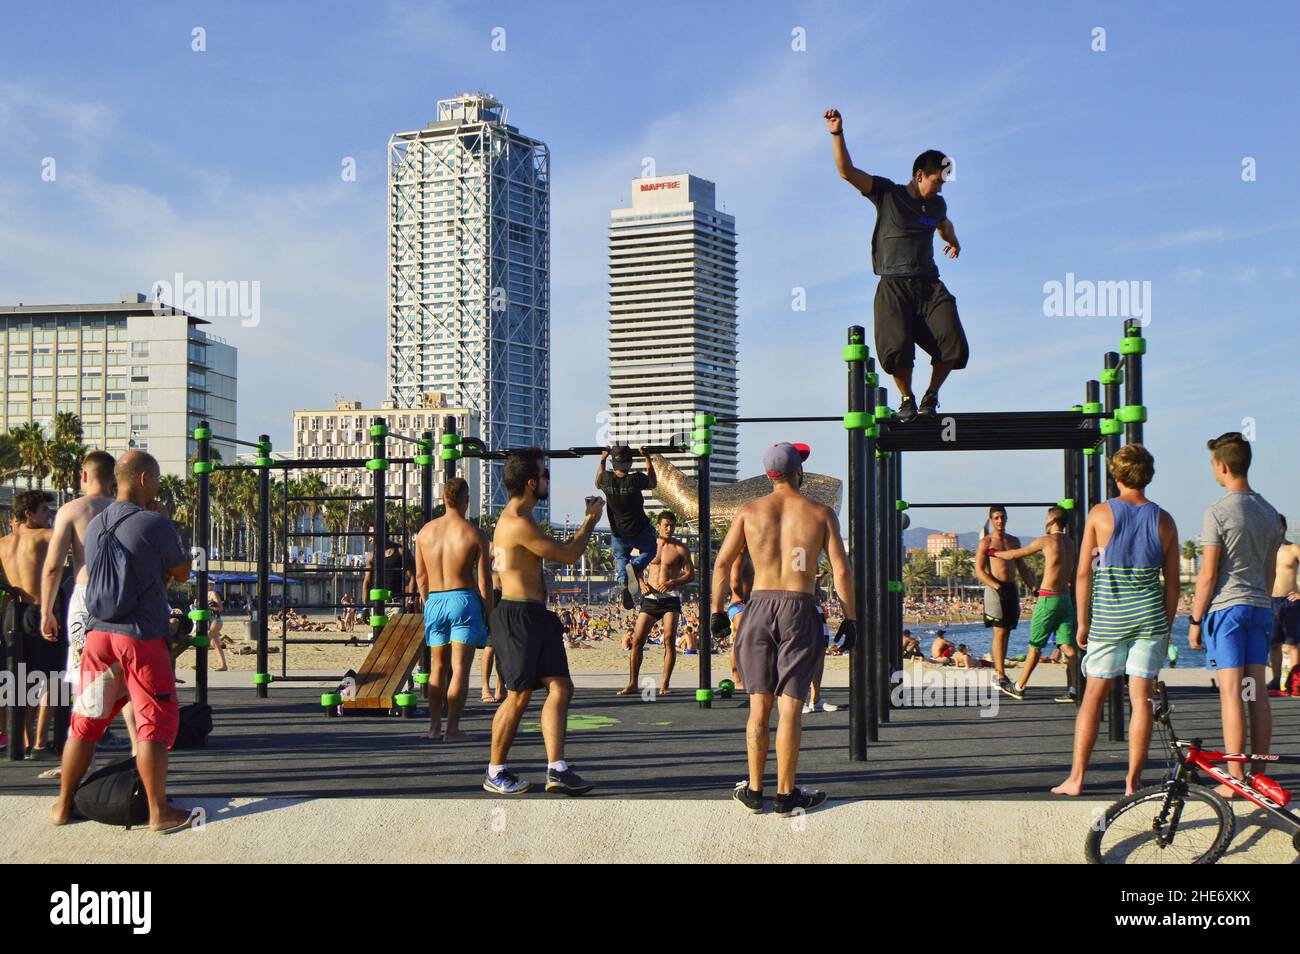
912	306
630	527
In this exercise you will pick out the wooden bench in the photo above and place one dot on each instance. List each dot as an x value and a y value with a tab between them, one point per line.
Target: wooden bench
389	662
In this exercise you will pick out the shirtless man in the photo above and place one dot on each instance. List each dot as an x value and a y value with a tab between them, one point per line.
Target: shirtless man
1286	610
742	584
1001	599
785	534
22	557
941	649
454	579
671	569
1054	613
69	536
529	638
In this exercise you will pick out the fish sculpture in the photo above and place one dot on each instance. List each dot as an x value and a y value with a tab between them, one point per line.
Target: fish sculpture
681	493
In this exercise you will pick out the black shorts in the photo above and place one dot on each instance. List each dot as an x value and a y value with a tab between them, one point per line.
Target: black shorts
1286	621
917	312
658	605
1002	606
529	643
39	654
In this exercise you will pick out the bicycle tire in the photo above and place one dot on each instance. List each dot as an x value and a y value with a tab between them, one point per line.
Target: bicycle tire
1154	796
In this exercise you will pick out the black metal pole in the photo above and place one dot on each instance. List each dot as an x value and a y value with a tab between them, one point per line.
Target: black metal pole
16	712
858	424
262	678
900	550
203	540
378	466
881	507
1133	381
704	693
1111	378
893	636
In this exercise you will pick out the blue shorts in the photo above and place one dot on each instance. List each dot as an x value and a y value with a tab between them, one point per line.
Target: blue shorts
734	610
1237	637
454	616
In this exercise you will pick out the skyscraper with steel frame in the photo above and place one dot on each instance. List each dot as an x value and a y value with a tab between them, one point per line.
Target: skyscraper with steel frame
469	263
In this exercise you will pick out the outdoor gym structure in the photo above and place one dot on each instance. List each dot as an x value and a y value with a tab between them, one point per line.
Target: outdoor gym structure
877	510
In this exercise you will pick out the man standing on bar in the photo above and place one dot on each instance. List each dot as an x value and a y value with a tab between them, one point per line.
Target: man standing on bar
785	534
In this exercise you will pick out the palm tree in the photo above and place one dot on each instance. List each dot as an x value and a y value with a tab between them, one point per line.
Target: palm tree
311	486
11	464
960	564
918	572
33	452
66	452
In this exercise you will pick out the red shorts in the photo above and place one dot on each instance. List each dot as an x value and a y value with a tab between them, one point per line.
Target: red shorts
117	669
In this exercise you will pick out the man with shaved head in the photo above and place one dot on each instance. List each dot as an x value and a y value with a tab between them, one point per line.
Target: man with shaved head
132	550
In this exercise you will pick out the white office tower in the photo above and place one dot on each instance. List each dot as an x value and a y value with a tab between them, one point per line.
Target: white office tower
469	261
672	316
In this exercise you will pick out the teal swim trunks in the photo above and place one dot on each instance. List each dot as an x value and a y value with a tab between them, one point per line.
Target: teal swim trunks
454	616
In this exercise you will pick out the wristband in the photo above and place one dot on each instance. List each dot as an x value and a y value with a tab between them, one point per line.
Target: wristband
840	133
1193	622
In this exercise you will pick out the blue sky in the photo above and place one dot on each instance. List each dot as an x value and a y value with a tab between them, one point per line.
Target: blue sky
1117	165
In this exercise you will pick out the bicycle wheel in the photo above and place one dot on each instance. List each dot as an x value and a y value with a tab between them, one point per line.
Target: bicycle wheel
1127	833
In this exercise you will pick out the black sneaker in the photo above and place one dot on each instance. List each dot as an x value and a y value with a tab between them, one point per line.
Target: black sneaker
750	799
804	799
1065	698
907	410
627	598
1014	691
1004	684
929	404
567	782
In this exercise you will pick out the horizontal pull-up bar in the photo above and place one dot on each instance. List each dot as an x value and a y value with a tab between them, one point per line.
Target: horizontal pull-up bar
468	450
993	503
838	419
412	440
256	445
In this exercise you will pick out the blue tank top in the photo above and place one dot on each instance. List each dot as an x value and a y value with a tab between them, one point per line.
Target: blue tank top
1128	599
1135	541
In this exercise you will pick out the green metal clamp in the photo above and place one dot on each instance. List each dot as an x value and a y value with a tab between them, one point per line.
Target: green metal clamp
202	433
378	430
699	450
858	420
1093	407
377	621
705	420
1131	414
1134	344
1112	376
200	642
377	463
1110	426
261	679
203	467
900	505
378	595
883	412
199	615
1066	503
895	586
856	352
450	453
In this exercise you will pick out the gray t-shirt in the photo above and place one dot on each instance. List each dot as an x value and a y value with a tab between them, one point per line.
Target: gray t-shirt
902	244
1245	528
151	540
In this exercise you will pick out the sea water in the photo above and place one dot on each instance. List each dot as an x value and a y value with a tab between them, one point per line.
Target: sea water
979	640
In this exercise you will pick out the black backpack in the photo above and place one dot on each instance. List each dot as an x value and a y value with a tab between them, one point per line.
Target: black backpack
195	727
114	795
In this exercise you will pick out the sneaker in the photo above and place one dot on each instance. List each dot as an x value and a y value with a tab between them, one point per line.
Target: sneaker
801	798
1065	698
1004	684
627	598
505	783
112	743
567	782
929	404
1014	691
809	708
751	800
907	410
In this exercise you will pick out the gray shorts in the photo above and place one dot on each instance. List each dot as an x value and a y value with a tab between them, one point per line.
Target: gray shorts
779	641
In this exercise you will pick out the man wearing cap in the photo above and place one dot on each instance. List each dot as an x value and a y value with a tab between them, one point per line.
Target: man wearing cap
785	534
631	529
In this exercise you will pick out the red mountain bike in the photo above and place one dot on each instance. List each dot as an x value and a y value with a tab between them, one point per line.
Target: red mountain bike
1181	821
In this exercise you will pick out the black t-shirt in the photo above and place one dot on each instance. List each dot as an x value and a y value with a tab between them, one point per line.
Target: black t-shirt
902	244
626	505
